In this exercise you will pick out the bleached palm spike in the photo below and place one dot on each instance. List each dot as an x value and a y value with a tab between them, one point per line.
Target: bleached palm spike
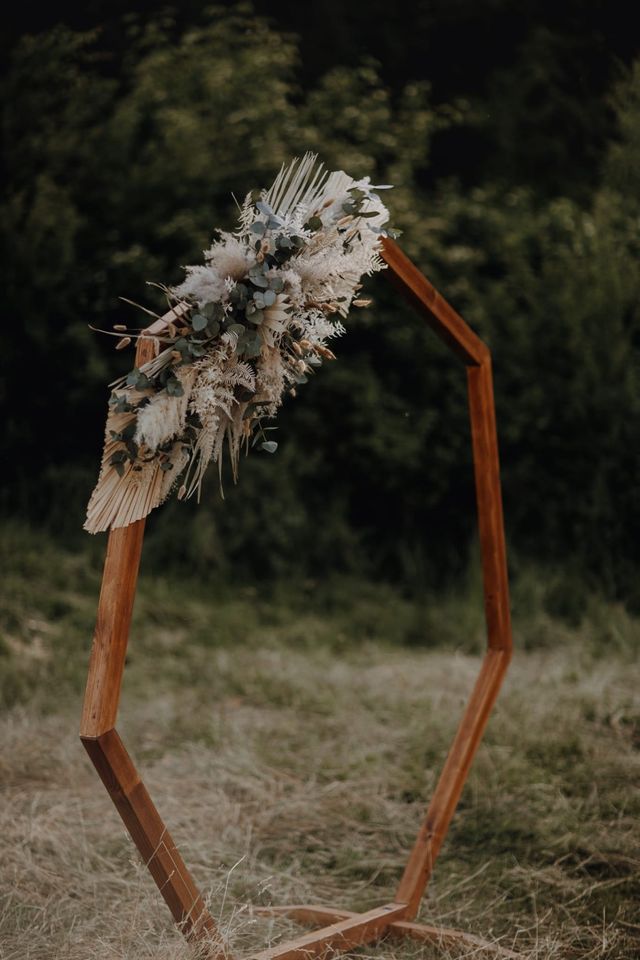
296	185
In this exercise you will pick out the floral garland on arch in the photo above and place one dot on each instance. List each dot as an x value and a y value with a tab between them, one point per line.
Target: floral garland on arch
245	328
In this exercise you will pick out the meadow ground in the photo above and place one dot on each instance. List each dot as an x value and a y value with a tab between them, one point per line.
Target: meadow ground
291	740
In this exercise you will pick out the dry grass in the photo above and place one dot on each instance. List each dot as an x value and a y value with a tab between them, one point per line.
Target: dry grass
292	773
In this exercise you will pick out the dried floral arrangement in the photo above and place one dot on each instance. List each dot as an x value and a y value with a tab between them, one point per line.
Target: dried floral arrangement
246	327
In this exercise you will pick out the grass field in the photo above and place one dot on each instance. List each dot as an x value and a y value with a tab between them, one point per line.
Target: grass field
291	739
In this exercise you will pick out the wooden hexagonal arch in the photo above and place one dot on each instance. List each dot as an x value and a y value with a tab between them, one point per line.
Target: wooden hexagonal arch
342	929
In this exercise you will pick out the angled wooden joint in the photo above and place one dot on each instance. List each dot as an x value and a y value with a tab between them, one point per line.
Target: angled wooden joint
347	931
443	937
150	835
425	299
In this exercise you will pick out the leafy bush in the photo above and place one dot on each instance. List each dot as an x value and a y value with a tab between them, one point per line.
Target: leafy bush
131	164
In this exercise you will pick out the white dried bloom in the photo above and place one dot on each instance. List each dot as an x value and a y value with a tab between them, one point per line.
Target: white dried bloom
163	418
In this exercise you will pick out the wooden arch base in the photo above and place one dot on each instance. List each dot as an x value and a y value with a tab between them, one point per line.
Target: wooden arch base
343	929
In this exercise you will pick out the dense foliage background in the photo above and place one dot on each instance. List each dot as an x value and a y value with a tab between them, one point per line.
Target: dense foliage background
512	133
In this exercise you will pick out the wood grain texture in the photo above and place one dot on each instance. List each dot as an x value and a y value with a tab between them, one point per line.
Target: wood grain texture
109	756
452	779
305	913
151	837
489	501
475	355
338	937
440	315
115	609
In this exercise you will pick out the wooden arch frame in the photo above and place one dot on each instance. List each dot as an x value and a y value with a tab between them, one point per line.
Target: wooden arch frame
342	929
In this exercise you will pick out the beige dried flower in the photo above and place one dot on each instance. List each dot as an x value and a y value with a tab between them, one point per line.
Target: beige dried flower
325	352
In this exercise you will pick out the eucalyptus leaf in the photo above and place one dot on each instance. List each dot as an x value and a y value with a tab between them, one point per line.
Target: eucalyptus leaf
120	403
238	295
213	311
253	348
174	387
199	322
137	379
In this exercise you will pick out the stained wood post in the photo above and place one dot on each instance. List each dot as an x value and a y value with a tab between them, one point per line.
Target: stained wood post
452	329
104	746
113	622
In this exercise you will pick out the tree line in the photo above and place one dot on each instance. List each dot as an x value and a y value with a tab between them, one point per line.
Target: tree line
516	188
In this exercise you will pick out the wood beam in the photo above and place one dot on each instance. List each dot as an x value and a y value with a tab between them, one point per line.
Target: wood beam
486	468
154	842
339	937
440	315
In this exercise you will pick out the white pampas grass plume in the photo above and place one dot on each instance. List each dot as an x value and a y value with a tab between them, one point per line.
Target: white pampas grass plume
163	418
